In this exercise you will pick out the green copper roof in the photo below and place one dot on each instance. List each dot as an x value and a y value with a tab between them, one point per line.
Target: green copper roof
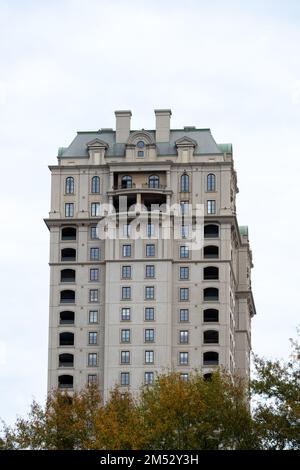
61	151
225	148
243	230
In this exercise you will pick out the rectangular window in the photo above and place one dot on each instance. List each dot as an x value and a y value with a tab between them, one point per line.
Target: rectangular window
184	206
69	209
184	272
95	209
184	293
149	378
94	295
150	230
93	337
125	378
126	230
211	207
125	357
184	251
183	337
125	314
150	250
149	357
126	251
94	254
92	359
126	293
140	153
149	292
149	314
184	376
183	315
183	358
149	335
93	316
125	336
185	231
150	271
93	233
92	379
94	274
126	272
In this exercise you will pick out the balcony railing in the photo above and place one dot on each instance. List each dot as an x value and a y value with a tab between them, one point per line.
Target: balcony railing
140	186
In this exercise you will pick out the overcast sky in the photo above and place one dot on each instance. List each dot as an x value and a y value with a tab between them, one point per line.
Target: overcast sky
67	65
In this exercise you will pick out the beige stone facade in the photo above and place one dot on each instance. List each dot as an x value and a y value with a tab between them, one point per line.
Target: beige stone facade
119	315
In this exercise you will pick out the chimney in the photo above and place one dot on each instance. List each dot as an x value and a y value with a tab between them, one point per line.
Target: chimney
122	126
162	124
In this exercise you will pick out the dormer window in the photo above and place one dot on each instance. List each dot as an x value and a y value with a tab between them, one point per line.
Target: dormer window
140	148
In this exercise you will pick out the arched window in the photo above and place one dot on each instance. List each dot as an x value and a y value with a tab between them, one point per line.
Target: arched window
126	181
211	182
66	339
67	297
210	358
95	184
184	183
211	294
211	251
68	254
65	381
153	181
211	337
211	315
69	185
66	360
68	233
211	231
140	148
67	275
211	273
66	318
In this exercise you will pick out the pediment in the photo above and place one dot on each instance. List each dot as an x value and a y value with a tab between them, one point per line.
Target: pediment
185	142
97	143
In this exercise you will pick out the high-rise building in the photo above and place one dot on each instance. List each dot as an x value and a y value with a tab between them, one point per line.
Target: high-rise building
123	308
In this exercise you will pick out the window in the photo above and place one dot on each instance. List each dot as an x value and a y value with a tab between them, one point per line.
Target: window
149	292
94	274
207	376
95	209
94	254
150	250
149	335
183	337
184	272
184	183
184	314
68	233
183	358
184	206
184	252
211	294
95	185
126	272
125	357
68	254
184	293
93	233
126	230
93	316
67	297
70	185
92	379
211	231
140	153
150	230
126	182
211	182
92	359
150	270
67	275
125	314
211	252
66	318
149	357
211	315
66	360
140	145
65	381
153	181
211	273
149	314
93	337
149	378
125	336
211	207
126	250
211	337
66	339
69	209
210	358
185	231
94	295
125	378
126	293
184	376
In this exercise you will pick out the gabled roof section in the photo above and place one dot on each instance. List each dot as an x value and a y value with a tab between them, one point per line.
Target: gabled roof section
185	142
96	143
